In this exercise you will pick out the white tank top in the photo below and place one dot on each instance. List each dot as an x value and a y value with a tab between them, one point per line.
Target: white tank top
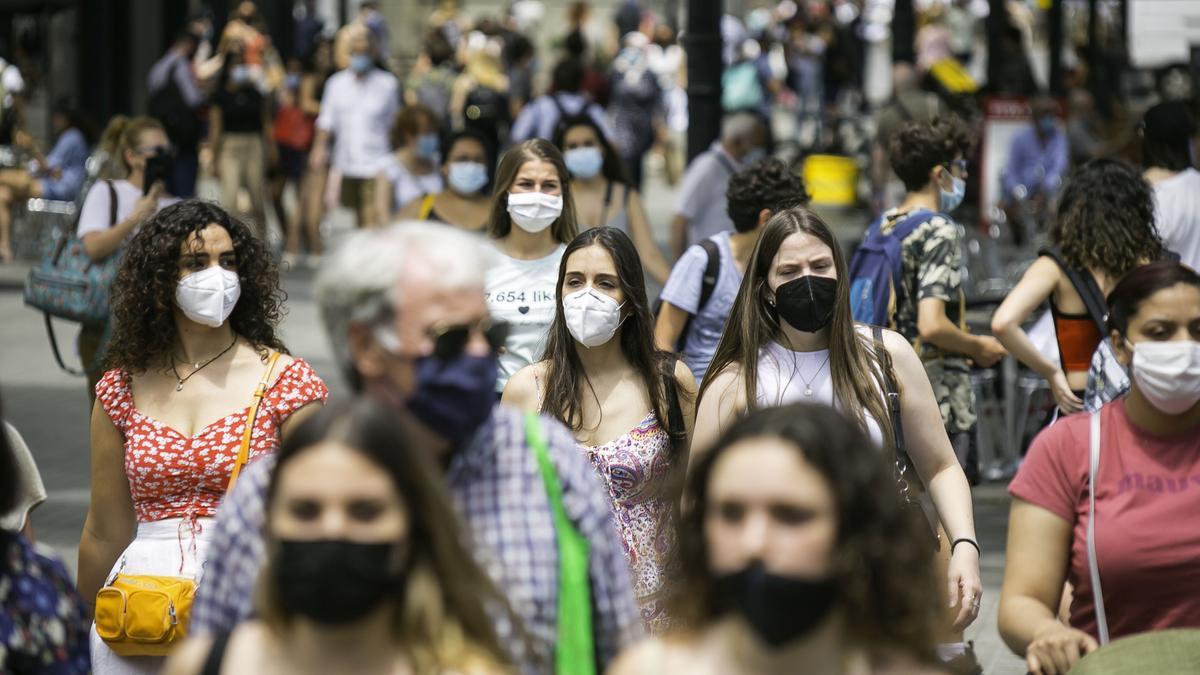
785	376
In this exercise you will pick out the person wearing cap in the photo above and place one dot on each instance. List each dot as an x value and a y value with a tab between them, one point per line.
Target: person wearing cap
1169	161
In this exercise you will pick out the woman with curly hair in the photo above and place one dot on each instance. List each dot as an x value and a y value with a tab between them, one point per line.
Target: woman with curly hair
1105	228
796	550
196	303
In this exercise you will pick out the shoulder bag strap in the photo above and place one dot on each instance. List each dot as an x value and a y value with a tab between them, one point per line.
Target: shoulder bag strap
712	269
1085	285
251	416
892	393
574	648
216	655
1093	565
112	203
426	207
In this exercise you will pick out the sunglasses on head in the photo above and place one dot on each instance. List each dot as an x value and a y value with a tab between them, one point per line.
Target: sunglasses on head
451	340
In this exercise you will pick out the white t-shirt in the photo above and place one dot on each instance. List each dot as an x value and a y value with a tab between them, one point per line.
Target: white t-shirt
406	187
359	112
785	376
521	292
1177	214
95	215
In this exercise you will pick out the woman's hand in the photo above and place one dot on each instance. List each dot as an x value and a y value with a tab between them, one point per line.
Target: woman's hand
1057	648
147	205
966	589
1066	399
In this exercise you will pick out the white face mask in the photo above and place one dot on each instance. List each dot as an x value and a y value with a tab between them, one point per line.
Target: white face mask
591	316
208	296
1168	374
534	211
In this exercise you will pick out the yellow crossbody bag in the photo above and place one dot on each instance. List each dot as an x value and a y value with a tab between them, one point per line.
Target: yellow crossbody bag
145	614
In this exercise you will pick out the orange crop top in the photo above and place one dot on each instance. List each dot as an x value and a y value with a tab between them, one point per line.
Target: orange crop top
1077	337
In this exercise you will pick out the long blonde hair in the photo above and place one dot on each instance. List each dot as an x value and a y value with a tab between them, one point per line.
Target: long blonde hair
124	133
857	374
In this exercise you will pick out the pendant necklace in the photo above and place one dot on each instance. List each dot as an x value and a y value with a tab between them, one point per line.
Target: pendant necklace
197	367
808	390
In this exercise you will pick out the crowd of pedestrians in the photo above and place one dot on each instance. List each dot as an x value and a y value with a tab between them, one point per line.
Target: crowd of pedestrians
539	469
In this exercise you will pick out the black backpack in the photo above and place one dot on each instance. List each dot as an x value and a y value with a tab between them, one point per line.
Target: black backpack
708	282
179	120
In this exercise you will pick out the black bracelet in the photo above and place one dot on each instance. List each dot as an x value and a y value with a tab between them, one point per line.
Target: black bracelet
969	541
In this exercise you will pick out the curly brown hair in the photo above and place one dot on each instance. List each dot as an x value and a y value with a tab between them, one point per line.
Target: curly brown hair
920	146
1106	219
882	563
143	294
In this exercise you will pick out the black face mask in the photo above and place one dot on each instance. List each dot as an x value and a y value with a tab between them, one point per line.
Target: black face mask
806	303
779	609
334	581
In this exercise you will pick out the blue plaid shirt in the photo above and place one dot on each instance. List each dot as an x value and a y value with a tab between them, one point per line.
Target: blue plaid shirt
498	490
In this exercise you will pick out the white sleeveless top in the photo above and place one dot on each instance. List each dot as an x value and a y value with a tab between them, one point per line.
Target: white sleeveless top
785	376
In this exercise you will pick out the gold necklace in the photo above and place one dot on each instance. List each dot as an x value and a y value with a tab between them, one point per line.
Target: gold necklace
197	366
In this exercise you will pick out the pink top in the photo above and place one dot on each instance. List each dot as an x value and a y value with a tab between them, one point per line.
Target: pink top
176	476
1148	495
635	467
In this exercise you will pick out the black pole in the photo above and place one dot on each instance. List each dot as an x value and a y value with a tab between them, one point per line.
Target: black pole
703	44
904	30
997	21
1055	18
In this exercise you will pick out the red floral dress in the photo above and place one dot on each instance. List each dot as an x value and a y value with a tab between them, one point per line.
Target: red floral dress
176	476
178	481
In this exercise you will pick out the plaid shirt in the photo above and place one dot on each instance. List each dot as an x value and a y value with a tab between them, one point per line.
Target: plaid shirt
498	490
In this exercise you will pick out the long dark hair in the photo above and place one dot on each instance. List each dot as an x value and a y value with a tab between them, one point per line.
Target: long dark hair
882	565
534	149
1106	218
143	294
566	380
857	375
441	618
613	168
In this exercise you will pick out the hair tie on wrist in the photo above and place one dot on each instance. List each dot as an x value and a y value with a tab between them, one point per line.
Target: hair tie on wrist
969	541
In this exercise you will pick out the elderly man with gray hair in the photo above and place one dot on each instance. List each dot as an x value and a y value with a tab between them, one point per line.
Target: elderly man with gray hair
405	311
701	207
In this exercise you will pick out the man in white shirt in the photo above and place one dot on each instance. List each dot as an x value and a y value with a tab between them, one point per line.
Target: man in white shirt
1168	155
358	108
701	210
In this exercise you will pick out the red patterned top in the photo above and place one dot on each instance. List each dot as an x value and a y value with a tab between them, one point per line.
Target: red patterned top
174	476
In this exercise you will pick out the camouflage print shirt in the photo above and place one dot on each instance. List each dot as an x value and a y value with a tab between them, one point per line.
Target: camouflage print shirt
931	267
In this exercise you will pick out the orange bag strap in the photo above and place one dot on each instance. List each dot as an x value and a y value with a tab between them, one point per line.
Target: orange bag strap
426	207
259	393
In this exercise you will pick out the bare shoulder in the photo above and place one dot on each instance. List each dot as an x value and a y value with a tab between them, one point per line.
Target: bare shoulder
521	391
898	347
684	377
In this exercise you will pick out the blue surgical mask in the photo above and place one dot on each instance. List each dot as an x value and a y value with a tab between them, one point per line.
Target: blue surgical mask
1047	124
292	81
454	396
584	163
361	63
427	147
950	200
467	178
